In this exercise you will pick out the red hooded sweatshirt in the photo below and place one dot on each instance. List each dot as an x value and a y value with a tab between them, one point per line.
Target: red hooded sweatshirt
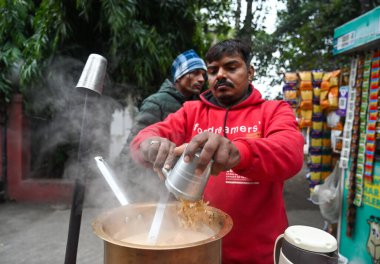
271	151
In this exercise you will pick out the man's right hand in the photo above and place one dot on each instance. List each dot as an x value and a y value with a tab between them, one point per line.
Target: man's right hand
159	152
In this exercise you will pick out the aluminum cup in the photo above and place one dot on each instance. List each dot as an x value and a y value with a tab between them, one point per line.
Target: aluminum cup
182	181
93	74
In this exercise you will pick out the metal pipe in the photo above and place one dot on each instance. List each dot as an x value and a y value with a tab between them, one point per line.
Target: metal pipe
109	176
91	82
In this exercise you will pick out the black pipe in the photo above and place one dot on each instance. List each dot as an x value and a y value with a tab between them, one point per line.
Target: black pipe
75	222
4	158
78	196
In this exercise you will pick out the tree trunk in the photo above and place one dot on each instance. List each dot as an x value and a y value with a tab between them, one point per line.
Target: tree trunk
247	30
237	15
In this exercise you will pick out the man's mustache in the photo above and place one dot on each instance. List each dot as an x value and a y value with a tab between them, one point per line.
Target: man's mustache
223	82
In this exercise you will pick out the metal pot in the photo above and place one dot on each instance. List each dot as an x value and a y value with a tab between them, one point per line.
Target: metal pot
120	223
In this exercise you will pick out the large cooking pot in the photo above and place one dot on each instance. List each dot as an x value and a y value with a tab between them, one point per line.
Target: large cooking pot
121	230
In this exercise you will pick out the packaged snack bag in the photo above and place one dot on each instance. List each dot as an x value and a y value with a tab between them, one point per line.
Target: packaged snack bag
290	77
306	85
317	77
316	91
315	173
326	159
306	94
316	139
333	98
317	108
305	122
342	101
317	122
334	79
306	114
305	76
326	142
316	159
290	92
325	85
306	105
326	155
345	78
290	89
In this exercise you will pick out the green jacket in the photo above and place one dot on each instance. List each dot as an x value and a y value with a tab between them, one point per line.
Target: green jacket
157	107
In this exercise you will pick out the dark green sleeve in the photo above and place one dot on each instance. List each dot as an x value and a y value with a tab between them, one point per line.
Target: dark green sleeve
150	113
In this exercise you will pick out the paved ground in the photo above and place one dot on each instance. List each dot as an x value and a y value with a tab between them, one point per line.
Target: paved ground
37	234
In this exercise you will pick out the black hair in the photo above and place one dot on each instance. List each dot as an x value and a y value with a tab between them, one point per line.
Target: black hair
229	47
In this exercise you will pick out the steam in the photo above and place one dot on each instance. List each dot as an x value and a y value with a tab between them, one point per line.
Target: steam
56	111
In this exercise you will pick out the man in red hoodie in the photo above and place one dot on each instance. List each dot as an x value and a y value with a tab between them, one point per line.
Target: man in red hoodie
254	144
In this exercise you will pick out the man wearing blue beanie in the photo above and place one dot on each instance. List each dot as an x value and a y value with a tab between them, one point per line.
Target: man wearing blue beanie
185	69
186	62
188	77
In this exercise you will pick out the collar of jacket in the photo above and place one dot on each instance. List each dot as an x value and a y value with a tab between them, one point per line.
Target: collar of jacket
253	96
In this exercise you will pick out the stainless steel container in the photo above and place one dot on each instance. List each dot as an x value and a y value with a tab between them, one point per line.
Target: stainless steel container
133	219
93	74
182	181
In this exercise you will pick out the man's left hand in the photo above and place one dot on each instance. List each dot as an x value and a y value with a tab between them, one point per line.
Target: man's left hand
214	147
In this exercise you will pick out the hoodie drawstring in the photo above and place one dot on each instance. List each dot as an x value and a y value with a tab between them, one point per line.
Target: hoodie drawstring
225	122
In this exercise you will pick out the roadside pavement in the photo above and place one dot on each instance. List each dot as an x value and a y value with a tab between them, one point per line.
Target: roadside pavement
37	233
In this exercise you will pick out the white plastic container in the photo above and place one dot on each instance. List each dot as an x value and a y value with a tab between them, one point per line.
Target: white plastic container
305	244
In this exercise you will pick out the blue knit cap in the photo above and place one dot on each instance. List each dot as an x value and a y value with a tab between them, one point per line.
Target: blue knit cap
186	62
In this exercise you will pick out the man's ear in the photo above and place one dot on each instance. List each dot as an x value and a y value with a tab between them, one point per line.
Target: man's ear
251	73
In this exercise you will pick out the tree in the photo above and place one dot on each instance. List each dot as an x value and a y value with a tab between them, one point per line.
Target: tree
138	37
253	31
304	36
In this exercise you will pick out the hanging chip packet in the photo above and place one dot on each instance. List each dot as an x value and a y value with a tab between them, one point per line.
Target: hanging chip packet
306	105
290	90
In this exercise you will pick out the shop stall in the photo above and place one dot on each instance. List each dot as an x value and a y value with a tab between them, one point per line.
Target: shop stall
359	225
338	112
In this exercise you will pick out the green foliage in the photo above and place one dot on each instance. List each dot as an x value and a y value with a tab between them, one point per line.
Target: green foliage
215	17
304	36
13	21
29	34
139	38
262	52
303	39
49	29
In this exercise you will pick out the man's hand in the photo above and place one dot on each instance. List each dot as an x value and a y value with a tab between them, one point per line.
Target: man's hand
160	152
214	147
